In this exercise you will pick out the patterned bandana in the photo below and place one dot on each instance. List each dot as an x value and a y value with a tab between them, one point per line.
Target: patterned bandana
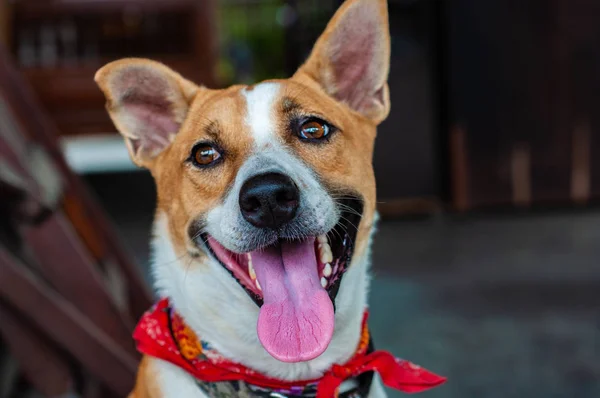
163	334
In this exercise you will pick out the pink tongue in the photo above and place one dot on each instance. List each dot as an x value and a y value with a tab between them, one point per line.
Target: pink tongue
296	320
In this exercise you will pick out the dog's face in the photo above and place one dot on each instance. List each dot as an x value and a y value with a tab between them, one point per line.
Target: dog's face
273	180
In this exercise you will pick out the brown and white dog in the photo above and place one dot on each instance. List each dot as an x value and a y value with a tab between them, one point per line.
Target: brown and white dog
266	198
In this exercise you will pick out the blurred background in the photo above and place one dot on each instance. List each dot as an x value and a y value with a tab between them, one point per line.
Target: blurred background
488	170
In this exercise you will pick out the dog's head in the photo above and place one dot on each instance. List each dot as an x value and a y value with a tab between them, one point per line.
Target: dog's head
273	180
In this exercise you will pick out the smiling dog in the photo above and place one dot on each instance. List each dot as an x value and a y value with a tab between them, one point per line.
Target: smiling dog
266	207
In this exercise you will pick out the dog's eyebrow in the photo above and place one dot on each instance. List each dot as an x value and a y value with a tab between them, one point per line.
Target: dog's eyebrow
212	130
288	105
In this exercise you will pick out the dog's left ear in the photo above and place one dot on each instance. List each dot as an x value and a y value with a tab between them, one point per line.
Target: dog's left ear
148	103
350	61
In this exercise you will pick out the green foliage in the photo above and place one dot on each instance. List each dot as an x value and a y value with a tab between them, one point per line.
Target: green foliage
252	42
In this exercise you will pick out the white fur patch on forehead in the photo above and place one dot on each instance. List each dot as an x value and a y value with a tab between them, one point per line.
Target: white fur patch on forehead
260	101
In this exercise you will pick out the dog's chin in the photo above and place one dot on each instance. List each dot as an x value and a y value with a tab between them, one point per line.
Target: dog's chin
295	282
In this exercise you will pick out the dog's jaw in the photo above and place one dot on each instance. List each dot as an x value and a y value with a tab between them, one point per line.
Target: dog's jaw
219	310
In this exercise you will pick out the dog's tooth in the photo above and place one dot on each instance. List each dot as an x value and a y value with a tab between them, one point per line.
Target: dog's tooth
258	285
251	271
326	255
322	238
323	282
327	270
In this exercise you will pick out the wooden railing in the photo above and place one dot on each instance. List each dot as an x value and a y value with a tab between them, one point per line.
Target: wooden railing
69	293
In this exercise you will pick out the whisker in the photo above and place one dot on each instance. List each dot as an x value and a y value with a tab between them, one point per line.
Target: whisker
187	269
349	222
349	210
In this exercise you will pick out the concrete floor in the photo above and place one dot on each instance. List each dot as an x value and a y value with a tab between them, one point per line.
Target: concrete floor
504	306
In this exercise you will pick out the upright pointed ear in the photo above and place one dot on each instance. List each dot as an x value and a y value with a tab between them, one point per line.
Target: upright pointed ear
351	58
148	102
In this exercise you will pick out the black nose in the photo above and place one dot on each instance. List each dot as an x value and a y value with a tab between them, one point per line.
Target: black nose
269	200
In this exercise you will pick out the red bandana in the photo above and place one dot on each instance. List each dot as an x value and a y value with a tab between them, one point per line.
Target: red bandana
161	333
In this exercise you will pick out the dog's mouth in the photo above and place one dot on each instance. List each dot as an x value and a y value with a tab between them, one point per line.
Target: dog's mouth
295	282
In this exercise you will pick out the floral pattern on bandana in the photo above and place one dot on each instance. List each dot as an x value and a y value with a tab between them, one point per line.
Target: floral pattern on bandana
189	345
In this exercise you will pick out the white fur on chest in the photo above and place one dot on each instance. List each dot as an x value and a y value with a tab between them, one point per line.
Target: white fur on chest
220	311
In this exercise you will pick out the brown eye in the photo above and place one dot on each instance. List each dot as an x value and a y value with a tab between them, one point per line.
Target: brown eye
205	155
314	130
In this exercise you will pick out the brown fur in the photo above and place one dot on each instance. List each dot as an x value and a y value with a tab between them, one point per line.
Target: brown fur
146	385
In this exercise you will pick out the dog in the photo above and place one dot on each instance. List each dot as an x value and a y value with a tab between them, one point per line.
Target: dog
266	206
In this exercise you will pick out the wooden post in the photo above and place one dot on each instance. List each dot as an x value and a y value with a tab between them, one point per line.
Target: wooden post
581	158
520	165
5	23
459	164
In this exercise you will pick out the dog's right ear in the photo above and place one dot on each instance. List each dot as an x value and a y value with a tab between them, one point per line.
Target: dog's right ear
351	59
148	102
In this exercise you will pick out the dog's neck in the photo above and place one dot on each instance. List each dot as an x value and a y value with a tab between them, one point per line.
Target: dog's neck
222	314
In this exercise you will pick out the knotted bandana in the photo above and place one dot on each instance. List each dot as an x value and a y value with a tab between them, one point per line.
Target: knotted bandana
163	334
